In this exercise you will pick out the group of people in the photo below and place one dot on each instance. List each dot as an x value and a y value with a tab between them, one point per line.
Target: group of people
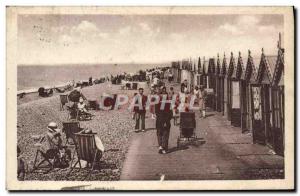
173	103
163	116
200	96
77	105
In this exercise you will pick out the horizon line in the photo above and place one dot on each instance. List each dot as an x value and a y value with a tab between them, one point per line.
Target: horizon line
104	63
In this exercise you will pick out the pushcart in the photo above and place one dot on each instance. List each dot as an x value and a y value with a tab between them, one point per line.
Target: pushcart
187	128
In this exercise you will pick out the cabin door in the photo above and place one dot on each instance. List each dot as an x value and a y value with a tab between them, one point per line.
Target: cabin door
257	115
219	97
278	119
225	98
244	103
235	103
222	94
229	99
202	80
268	124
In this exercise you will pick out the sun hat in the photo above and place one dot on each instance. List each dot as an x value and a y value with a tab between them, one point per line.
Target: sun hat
52	127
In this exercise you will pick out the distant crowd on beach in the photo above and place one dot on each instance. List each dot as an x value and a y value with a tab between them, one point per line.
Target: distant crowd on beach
140	76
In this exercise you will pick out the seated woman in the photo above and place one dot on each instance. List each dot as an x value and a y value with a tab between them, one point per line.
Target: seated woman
81	106
51	145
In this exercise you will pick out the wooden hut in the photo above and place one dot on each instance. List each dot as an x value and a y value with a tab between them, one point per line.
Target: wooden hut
193	72
235	109
249	76
278	102
262	101
211	78
218	93
198	73
230	70
224	86
204	73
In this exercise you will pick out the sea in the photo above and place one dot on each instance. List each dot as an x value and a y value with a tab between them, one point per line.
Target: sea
35	76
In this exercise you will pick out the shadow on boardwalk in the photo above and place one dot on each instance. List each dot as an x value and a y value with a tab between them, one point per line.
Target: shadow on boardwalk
224	152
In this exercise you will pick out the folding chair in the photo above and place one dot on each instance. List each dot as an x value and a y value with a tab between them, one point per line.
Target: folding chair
80	115
86	150
45	156
63	101
70	128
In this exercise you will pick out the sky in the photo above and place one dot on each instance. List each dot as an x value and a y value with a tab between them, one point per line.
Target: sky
69	39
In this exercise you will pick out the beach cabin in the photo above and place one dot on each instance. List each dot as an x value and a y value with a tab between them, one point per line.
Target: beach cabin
278	102
262	101
211	80
193	76
198	73
230	70
235	92
218	93
201	72
204	73
249	76
224	87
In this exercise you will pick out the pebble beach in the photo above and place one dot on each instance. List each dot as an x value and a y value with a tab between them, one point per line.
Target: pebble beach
114	127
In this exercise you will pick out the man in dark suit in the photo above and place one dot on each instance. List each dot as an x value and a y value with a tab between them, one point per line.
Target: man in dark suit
140	111
164	115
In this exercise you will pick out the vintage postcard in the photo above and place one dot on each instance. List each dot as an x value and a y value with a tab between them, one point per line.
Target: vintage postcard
150	98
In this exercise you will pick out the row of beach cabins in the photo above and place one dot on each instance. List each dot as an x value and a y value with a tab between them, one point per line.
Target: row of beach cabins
249	92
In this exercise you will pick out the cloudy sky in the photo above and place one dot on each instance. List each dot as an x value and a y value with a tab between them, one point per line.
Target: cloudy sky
63	39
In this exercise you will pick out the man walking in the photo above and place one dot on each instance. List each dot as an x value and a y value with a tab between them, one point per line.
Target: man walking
163	117
140	111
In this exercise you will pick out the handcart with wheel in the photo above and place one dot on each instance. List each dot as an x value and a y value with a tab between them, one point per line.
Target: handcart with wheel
187	128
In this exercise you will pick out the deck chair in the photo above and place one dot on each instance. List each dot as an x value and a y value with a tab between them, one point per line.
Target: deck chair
87	150
70	128
63	101
83	115
41	157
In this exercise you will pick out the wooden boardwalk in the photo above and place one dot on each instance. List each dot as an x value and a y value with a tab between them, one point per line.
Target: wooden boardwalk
225	153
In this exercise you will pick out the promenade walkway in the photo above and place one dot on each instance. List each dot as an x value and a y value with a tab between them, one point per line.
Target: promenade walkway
225	153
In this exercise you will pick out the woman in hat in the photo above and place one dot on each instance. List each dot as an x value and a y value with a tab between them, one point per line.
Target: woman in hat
51	144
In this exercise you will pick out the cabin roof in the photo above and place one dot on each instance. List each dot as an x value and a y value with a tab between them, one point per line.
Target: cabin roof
271	63
199	65
218	68
224	66
205	67
231	67
278	76
266	69
238	70
243	62
250	71
211	66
